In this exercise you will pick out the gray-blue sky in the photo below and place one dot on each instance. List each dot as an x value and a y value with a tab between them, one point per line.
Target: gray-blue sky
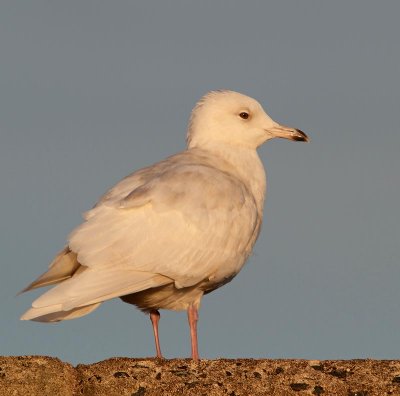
92	90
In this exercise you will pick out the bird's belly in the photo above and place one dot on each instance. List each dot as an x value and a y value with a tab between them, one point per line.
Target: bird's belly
178	299
165	297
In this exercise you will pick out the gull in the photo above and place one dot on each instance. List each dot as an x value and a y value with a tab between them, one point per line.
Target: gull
170	233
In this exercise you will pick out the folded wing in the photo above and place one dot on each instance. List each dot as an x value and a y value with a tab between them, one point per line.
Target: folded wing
185	224
175	223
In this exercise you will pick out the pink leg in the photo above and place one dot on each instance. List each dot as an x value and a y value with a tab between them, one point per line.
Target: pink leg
193	317
155	318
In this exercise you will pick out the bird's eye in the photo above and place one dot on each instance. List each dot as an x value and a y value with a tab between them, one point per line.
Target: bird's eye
244	115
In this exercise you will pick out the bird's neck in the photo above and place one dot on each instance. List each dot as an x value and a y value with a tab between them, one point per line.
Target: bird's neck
245	164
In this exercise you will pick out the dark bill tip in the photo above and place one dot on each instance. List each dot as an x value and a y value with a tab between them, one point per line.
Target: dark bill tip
300	136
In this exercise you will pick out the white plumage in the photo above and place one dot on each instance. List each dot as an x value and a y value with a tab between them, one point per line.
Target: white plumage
169	233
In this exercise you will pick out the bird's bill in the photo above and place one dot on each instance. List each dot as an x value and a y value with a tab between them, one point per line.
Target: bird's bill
285	132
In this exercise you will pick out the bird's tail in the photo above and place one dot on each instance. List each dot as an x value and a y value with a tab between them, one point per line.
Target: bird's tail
82	289
64	265
54	313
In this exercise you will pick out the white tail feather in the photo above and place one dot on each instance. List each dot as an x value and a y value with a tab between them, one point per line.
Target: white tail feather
55	314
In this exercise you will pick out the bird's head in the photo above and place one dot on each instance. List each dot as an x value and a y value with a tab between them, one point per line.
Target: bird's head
235	119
